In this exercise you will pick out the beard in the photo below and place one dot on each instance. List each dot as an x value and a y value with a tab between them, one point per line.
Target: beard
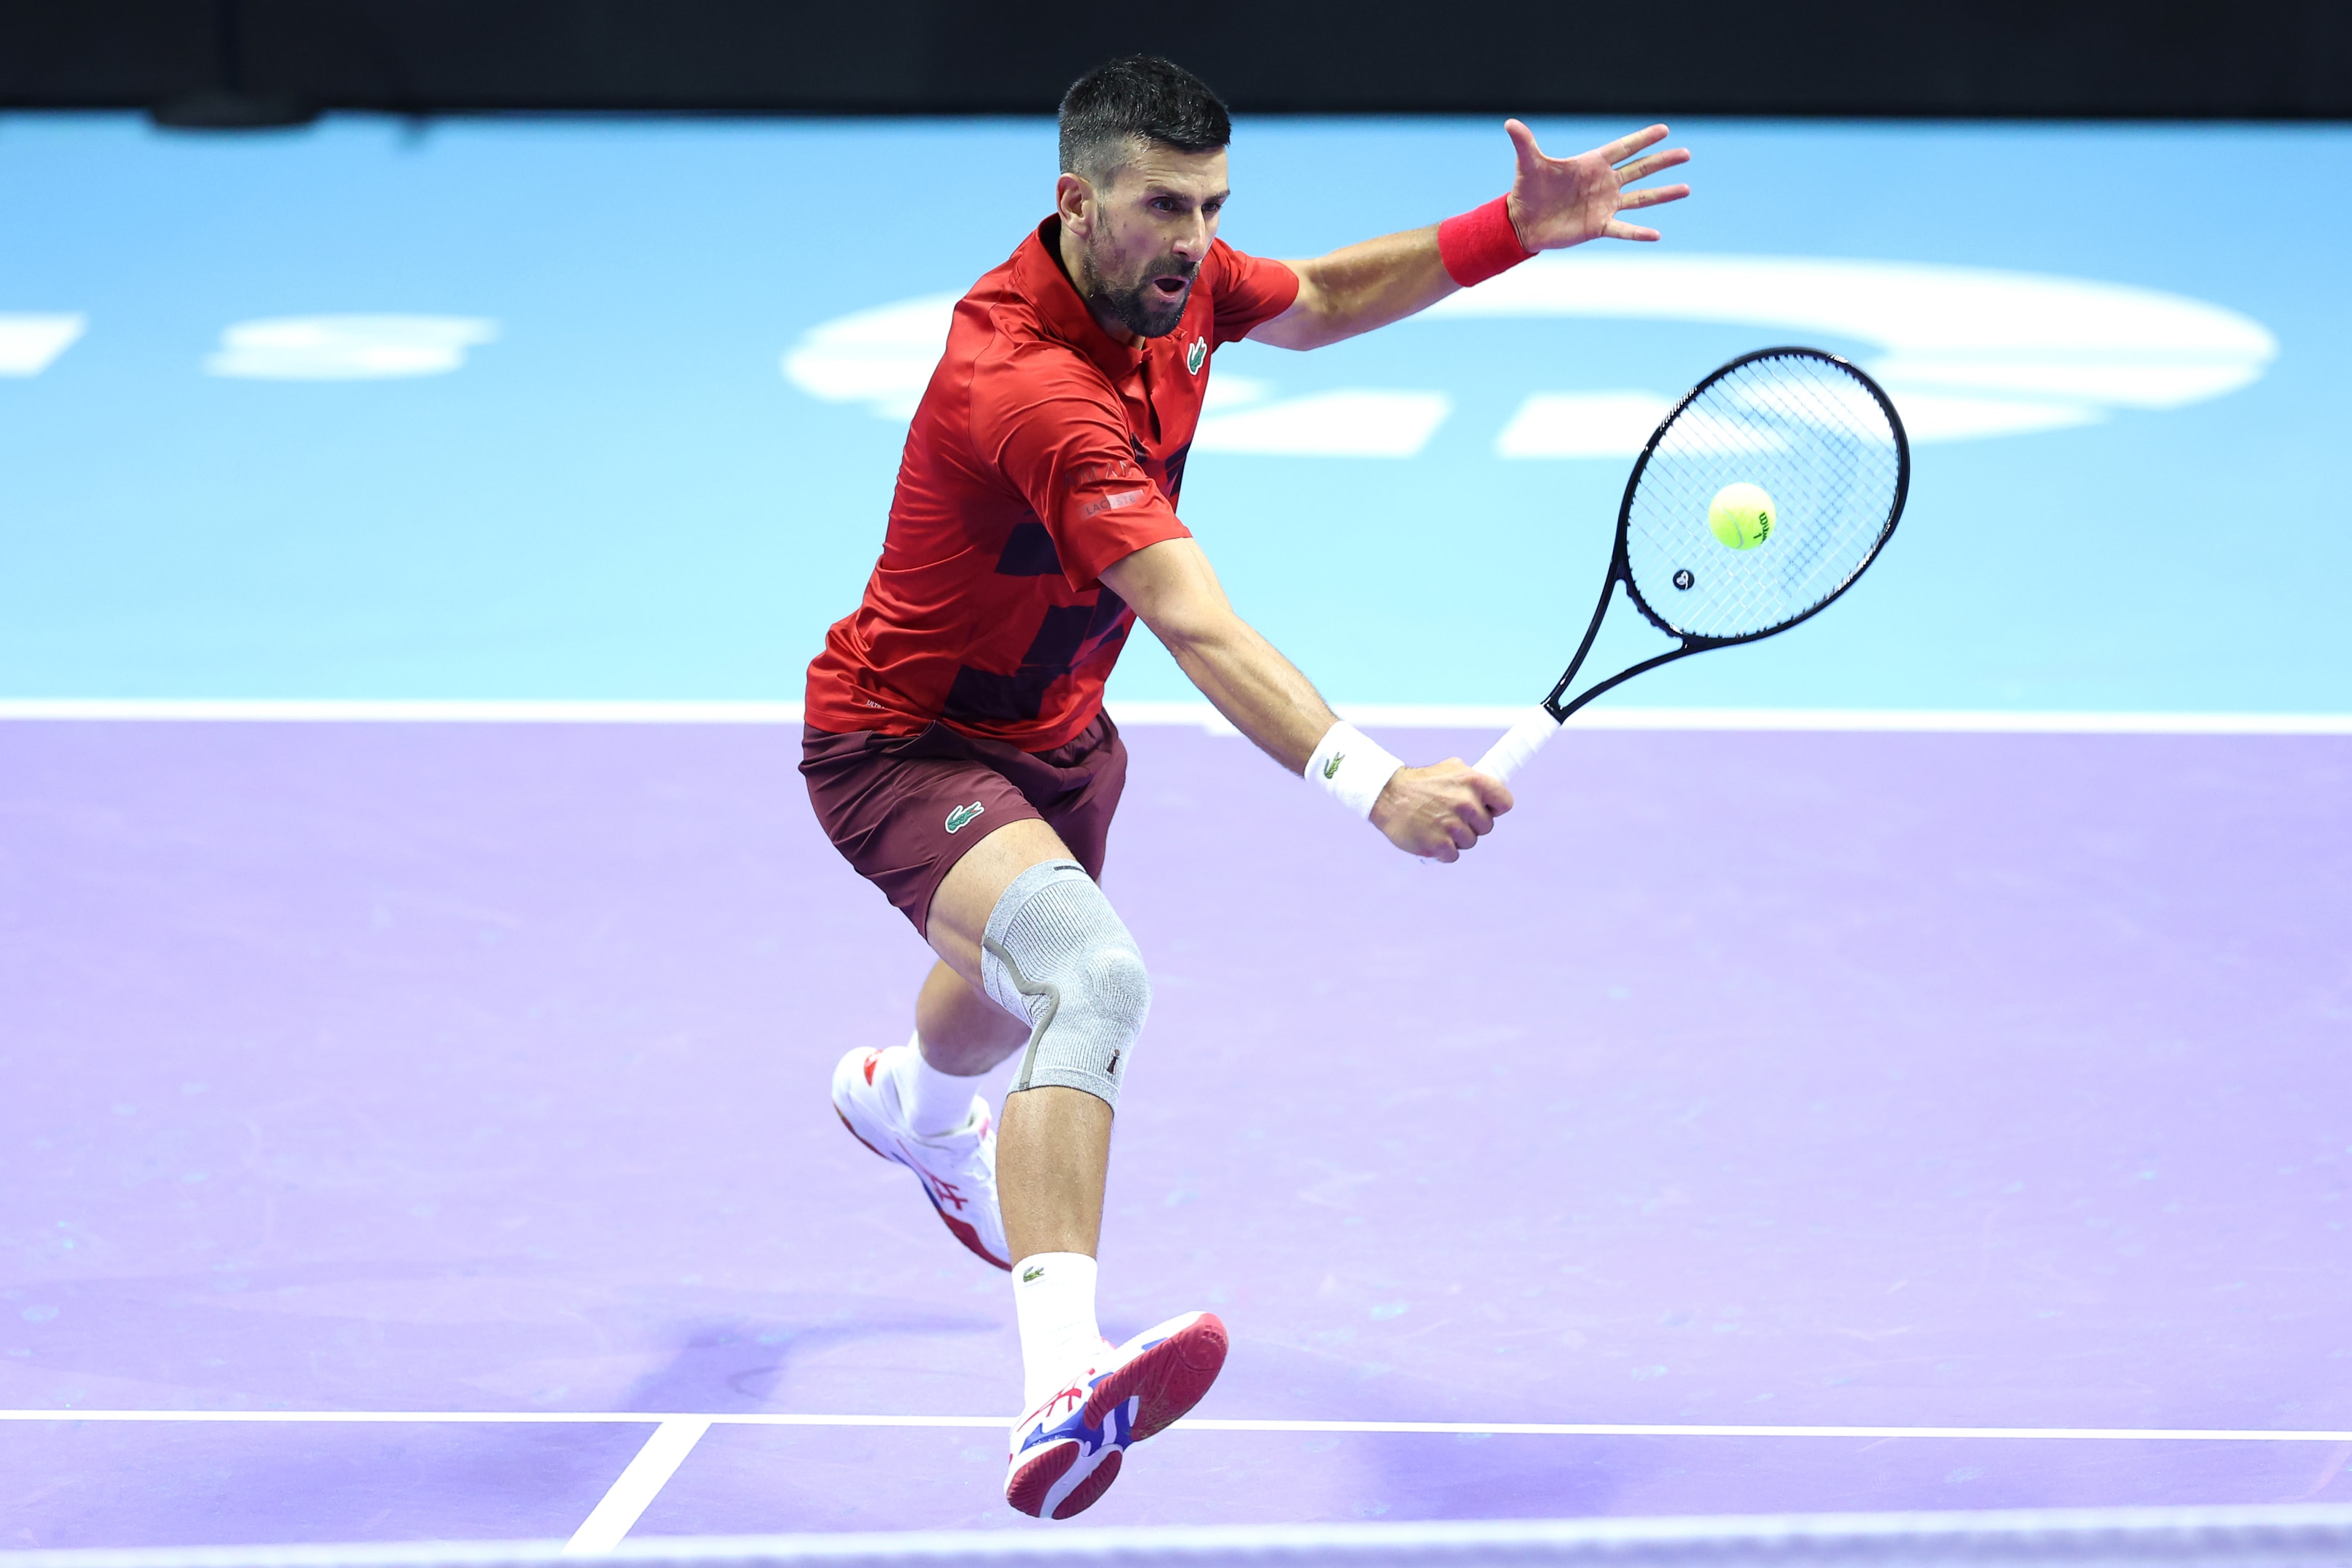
1139	304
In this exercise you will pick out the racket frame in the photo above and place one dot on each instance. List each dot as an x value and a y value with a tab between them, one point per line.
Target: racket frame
1621	568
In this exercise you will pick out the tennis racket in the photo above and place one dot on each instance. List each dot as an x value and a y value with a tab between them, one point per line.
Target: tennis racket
1823	442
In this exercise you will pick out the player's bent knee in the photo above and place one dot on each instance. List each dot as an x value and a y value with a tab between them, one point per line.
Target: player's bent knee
1056	953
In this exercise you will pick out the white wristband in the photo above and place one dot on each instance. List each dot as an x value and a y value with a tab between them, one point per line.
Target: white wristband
1352	766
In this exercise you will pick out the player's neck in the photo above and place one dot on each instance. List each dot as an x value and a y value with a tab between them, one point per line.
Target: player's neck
1070	251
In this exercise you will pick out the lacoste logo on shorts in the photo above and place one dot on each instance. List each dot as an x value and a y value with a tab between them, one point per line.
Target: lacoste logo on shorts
1332	768
961	816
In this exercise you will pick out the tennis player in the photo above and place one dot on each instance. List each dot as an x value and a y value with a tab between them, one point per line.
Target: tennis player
956	746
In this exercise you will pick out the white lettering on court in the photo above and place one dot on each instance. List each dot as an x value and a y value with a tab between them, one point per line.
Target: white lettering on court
347	348
30	343
1966	353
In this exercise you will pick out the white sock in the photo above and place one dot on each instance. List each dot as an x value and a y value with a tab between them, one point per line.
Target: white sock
932	1102
1054	1298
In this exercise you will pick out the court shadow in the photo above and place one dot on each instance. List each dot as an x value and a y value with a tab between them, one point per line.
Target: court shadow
1427	1476
496	1333
738	1365
1481	1475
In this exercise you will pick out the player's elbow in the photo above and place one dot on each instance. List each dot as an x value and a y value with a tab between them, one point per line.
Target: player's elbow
1321	323
1194	630
1295	333
1316	318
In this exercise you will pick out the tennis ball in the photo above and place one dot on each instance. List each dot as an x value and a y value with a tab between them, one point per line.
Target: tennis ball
1741	515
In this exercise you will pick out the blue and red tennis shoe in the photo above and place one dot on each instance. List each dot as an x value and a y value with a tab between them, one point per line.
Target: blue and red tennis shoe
958	1169
1066	1450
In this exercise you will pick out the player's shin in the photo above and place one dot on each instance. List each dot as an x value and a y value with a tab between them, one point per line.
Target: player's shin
1056	952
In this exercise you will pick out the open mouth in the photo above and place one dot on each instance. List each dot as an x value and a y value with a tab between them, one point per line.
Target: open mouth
1171	287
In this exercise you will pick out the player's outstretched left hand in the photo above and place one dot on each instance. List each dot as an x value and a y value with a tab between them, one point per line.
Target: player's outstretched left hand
1560	202
1439	811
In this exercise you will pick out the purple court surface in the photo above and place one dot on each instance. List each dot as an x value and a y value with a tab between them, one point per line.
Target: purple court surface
1937	1082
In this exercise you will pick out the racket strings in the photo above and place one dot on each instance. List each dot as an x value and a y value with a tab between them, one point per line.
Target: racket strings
1786	436
1808	430
1791	437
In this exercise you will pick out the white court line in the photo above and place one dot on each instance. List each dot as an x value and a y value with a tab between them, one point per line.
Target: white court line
675	1436
500	1418
1203	1424
1857	721
621	1506
2288	1533
1199	715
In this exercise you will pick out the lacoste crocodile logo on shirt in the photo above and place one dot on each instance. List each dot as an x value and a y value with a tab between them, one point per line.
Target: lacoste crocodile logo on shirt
961	816
1197	356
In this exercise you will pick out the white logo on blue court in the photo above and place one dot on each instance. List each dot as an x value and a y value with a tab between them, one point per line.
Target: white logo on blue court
1969	354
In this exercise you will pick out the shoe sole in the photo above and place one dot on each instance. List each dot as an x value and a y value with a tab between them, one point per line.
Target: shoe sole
963	1231
1034	1483
1165	1380
1082	1496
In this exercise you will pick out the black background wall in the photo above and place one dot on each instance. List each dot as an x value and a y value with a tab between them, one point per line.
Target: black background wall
2094	57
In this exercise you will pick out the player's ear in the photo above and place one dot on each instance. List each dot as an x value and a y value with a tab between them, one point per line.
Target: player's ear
1075	200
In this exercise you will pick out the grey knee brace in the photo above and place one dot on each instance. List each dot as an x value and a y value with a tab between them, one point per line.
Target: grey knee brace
1057	954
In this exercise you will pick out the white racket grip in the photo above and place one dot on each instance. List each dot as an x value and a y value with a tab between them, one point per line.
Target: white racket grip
1521	741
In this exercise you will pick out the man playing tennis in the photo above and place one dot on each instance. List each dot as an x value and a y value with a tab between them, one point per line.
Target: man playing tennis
956	749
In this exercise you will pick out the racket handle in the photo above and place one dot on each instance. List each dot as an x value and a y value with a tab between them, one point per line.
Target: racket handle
1521	741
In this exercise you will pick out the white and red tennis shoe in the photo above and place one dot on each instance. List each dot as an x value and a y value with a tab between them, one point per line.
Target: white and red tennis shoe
1066	1450
958	1169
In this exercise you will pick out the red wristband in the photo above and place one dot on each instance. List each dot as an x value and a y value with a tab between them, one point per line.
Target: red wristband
1480	243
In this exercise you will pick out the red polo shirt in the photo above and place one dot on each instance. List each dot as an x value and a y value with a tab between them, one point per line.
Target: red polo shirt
1041	452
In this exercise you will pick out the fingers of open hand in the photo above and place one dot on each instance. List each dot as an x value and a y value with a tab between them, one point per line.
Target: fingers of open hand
1523	143
1641	169
1624	147
1650	197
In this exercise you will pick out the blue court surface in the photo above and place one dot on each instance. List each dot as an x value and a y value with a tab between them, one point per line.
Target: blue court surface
541	409
1893	1074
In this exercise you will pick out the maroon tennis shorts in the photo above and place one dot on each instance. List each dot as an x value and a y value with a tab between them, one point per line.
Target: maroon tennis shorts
903	809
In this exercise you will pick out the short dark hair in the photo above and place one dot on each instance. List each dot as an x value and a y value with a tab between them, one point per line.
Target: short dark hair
1138	97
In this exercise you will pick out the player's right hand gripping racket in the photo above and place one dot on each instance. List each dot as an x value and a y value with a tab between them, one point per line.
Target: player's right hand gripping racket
1823	442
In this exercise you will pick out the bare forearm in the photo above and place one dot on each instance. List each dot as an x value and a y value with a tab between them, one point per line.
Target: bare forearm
1259	691
1361	287
1437	811
1554	203
1176	592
